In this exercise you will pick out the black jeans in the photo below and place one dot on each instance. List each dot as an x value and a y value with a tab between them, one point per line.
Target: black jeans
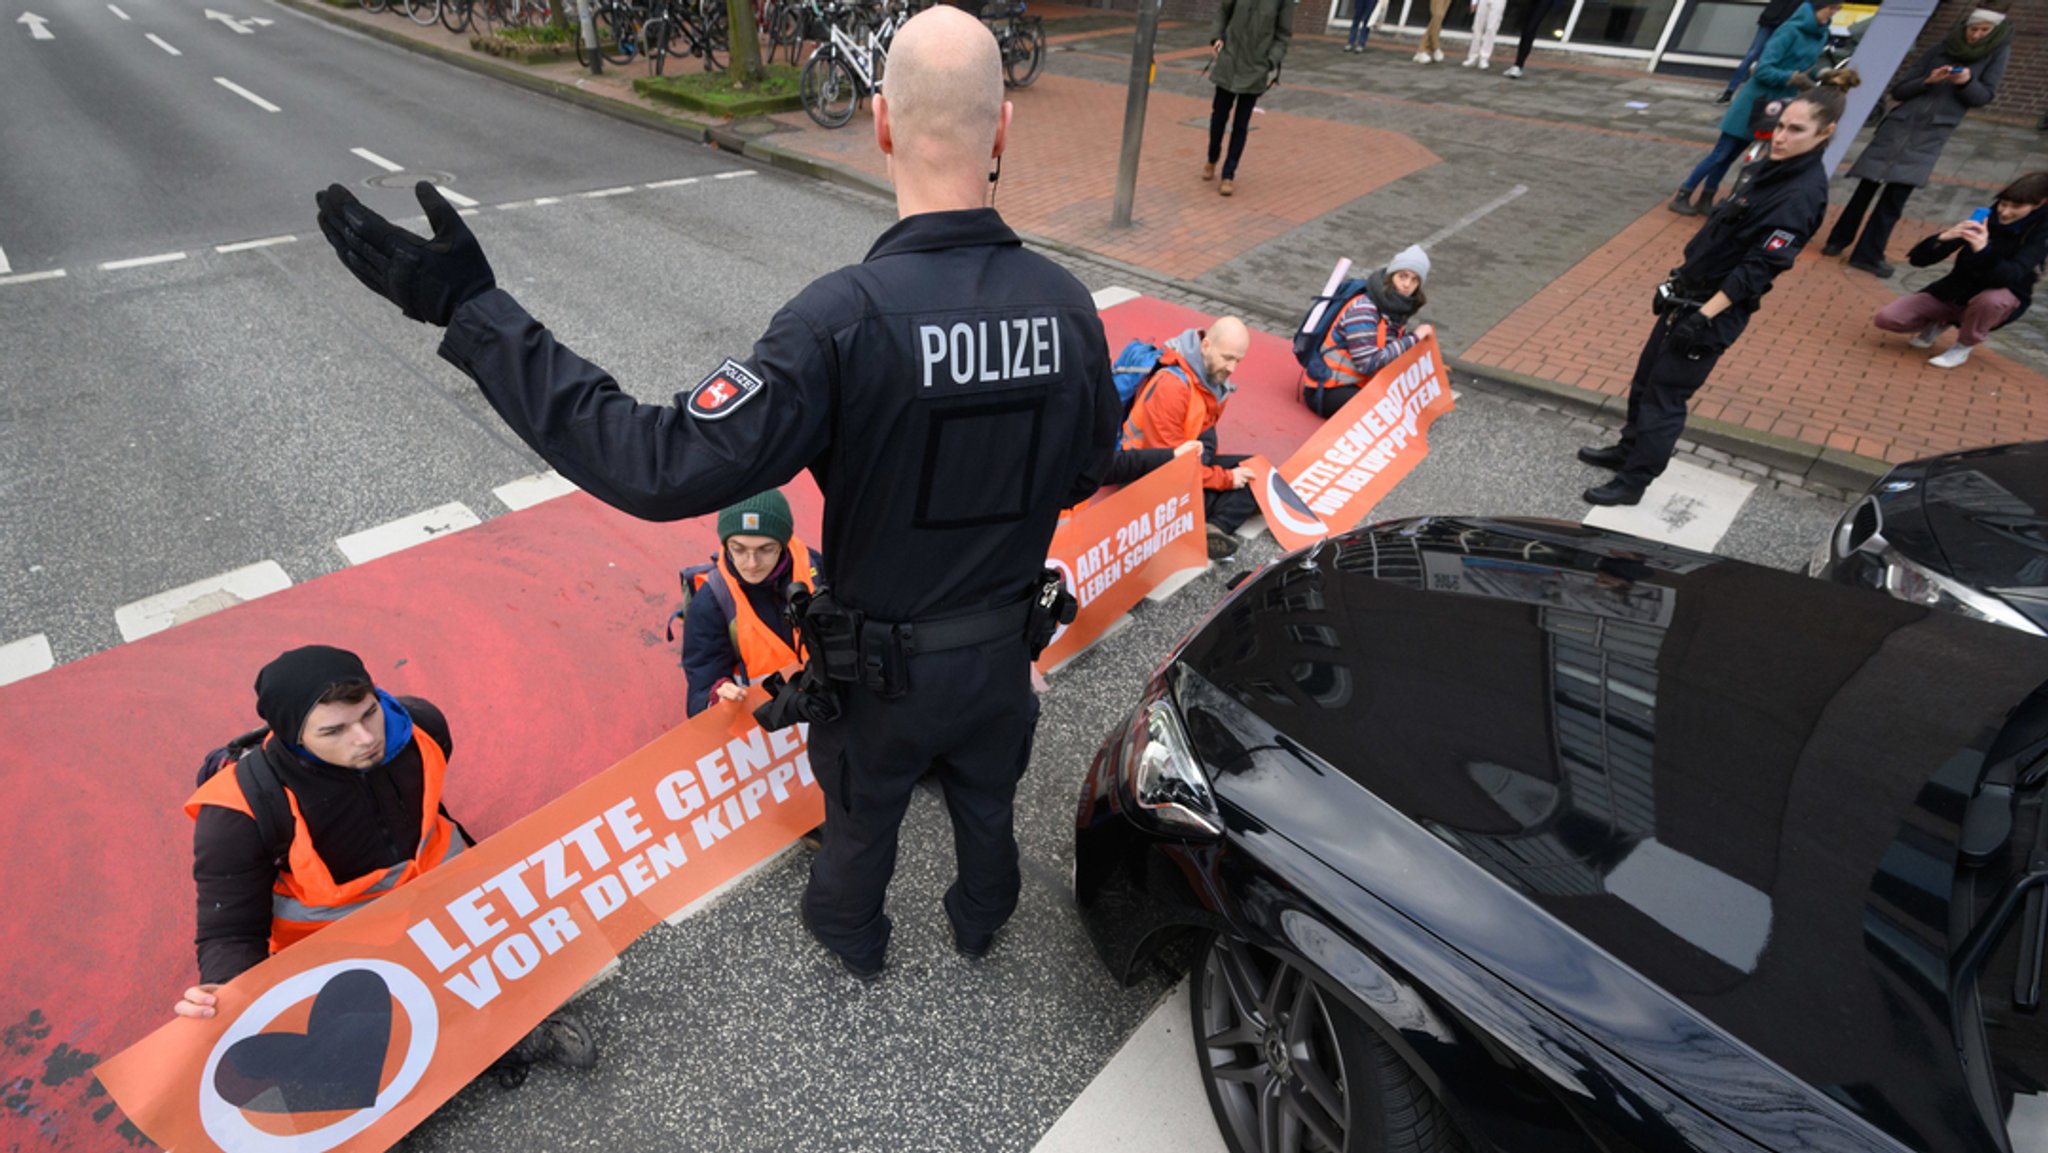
1227	508
1891	204
1539	11
1664	382
968	718
1240	125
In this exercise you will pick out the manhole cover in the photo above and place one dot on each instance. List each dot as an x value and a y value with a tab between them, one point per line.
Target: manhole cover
410	177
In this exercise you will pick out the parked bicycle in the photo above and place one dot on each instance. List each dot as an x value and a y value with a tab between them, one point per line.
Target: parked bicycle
848	66
1022	40
677	28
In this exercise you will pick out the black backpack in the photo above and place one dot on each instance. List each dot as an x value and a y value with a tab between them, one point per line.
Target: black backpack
260	785
1315	326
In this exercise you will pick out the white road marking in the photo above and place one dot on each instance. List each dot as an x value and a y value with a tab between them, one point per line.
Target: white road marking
140	261
406	532
1473	217
38	27
245	94
25	658
469	212
32	277
160	42
528	491
1108	298
190	602
456	198
117	12
5	267
377	160
1688	506
228	20
1148	1097
1175	583
246	245
734	175
540	201
603	192
677	183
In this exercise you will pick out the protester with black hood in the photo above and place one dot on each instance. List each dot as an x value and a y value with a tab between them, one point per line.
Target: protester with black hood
363	771
1998	259
1370	333
1746	242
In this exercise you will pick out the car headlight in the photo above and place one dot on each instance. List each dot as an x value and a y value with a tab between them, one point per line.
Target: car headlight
1165	784
1913	582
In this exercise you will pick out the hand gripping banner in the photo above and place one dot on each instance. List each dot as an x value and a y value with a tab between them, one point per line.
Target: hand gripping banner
351	1037
1118	549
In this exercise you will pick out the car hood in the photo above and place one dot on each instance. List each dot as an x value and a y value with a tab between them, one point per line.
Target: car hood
1739	783
1988	512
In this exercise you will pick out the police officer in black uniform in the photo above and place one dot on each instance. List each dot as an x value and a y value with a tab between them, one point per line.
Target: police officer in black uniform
950	395
1752	236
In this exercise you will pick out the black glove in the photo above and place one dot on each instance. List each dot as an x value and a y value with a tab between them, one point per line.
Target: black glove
1691	334
427	279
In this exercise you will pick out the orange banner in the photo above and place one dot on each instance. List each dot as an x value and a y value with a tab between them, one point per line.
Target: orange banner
1288	518
1118	549
353	1036
1359	454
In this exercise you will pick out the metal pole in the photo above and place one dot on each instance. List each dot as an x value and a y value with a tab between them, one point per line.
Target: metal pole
1134	113
589	34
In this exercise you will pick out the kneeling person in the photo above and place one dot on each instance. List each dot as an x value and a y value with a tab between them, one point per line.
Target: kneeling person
1369	333
1181	403
736	632
366	771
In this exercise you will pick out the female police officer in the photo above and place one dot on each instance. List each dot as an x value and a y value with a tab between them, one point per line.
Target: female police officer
1751	237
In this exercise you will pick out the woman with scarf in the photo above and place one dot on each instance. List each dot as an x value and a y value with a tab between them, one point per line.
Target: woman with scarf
1748	240
1370	333
1960	73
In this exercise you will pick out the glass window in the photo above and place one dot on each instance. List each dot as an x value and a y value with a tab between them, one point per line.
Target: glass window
1623	23
1718	28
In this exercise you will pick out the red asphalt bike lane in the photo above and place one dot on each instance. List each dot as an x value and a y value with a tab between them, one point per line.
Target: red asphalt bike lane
540	633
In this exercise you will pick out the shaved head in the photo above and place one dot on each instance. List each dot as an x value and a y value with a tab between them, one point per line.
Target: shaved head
1223	346
944	89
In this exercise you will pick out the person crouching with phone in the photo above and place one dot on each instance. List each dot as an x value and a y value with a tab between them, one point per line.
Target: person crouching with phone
1998	254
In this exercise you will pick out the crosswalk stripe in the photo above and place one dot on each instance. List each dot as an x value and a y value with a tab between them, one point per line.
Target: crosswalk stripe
385	539
1149	1097
1106	298
1689	506
528	491
25	658
154	614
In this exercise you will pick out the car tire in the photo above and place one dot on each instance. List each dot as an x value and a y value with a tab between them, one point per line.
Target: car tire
1288	1066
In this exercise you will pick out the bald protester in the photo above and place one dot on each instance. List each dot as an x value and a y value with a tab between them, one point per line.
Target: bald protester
1180	404
950	394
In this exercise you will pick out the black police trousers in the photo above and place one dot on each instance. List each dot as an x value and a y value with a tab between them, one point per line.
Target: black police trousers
1664	382
967	718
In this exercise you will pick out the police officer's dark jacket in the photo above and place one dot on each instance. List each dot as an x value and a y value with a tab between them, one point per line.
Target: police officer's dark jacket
1756	233
361	821
951	394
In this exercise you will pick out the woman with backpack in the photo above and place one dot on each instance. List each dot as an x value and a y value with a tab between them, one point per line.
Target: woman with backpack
1781	73
1998	257
1369	332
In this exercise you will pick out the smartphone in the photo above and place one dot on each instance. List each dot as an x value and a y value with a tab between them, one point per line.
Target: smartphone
1980	216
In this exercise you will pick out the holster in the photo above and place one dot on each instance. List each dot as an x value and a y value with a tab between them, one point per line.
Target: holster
1051	606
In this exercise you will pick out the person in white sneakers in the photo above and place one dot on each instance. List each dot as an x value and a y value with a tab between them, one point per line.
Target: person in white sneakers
1486	16
1998	254
1432	50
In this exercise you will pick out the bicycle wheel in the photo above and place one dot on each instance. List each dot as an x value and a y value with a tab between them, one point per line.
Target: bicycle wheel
423	12
828	90
618	32
785	30
458	15
1026	54
655	34
703	45
375	5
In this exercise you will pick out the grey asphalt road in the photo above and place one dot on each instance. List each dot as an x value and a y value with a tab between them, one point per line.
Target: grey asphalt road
171	422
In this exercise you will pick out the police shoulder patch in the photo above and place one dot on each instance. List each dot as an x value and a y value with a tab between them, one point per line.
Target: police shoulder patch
1779	239
722	393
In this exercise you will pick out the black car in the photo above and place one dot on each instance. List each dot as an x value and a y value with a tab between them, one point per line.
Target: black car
1967	532
1520	835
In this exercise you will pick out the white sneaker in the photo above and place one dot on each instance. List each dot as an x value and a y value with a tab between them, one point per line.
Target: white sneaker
1437	56
1953	358
1422	57
1514	72
1485	63
1467	62
1927	336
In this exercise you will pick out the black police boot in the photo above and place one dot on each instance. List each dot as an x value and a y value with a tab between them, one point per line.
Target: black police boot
864	973
1620	490
1831	249
973	950
1877	268
1607	456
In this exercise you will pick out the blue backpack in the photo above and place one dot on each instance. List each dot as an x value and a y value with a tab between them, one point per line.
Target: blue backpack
1308	339
1134	365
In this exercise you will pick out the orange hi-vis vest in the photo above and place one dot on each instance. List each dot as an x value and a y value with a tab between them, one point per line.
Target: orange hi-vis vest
1202	413
1336	357
762	650
306	898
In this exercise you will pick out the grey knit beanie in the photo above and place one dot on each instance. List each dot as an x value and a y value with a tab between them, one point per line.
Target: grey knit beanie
1410	259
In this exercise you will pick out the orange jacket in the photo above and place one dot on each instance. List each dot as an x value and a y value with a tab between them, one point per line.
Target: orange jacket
762	650
1170	410
306	898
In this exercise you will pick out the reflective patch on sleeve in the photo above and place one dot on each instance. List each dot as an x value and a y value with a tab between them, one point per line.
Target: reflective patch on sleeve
722	393
1779	239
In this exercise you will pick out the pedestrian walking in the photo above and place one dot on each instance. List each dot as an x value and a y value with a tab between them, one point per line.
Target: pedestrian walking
1960	73
1773	15
944	459
1998	256
1747	241
1532	25
1486	16
1784	70
1248	40
1362	12
1432	49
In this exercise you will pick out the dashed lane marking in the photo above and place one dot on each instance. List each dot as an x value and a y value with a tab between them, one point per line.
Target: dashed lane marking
1688	506
1149	1096
469	212
160	42
156	613
1106	298
406	532
25	658
528	491
141	261
116	11
544	201
733	175
32	277
601	193
246	245
456	198
677	183
377	160
245	94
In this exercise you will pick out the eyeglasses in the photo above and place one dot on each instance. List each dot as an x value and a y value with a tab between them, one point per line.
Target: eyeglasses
759	554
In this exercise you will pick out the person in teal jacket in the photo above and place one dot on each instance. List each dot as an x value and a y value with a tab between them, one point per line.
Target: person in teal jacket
1781	72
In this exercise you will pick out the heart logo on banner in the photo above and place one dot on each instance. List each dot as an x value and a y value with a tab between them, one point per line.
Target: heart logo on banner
336	1064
